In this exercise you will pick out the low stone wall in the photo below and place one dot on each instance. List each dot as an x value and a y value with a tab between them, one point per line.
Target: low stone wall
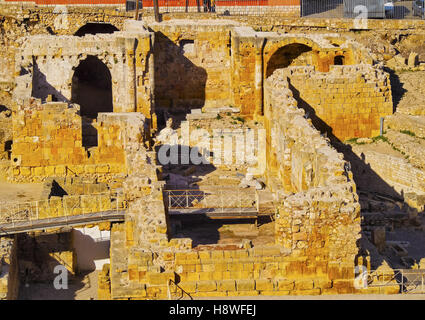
411	147
393	170
48	139
400	122
9	277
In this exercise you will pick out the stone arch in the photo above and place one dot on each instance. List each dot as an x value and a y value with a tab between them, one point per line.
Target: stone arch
284	53
92	87
339	60
95	28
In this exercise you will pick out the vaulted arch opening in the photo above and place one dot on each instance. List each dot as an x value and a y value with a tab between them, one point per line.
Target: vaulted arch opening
94	28
92	87
295	54
92	90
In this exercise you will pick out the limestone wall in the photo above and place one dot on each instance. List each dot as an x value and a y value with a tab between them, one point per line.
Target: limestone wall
39	254
255	55
192	63
46	64
397	172
405	122
47	141
5	118
346	102
316	227
9	279
26	19
321	219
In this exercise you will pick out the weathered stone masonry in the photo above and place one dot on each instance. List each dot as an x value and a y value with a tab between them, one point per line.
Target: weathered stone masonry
180	64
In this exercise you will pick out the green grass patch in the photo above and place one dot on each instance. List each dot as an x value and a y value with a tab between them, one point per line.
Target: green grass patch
240	119
408	132
380	138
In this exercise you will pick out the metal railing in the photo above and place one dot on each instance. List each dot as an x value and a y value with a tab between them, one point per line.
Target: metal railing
67	206
359	9
183	293
221	7
190	198
409	280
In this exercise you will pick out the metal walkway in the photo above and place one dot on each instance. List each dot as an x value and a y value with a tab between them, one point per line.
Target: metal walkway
221	204
58	222
217	213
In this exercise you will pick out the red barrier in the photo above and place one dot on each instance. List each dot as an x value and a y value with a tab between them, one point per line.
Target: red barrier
173	3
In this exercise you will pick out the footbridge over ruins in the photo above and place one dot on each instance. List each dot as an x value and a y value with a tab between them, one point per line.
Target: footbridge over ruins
60	222
60	212
220	203
73	211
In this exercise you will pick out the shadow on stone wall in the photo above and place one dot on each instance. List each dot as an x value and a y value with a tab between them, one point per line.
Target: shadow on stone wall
198	226
95	28
37	258
369	184
41	88
179	84
397	89
286	56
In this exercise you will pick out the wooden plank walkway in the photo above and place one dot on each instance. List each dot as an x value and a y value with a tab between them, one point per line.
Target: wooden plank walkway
57	222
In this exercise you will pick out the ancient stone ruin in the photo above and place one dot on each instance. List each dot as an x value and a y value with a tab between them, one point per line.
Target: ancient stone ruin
206	157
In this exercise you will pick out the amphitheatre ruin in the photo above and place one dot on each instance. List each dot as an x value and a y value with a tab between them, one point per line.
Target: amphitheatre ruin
209	154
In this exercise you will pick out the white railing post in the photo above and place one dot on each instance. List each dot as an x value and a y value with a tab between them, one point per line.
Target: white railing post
169	198
402	282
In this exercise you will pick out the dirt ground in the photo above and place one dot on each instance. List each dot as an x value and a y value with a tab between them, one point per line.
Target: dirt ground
82	287
379	146
225	233
23	192
409	92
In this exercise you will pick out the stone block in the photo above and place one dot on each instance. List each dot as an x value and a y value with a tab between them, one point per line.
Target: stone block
203	286
245	285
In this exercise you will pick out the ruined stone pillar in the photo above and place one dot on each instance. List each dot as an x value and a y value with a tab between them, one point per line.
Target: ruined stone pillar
258	78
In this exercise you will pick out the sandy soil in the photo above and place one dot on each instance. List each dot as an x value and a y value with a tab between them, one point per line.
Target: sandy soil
20	192
409	93
216	232
380	147
83	287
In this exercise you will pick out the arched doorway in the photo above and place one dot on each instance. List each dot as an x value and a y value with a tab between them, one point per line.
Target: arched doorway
94	28
295	54
92	90
92	87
